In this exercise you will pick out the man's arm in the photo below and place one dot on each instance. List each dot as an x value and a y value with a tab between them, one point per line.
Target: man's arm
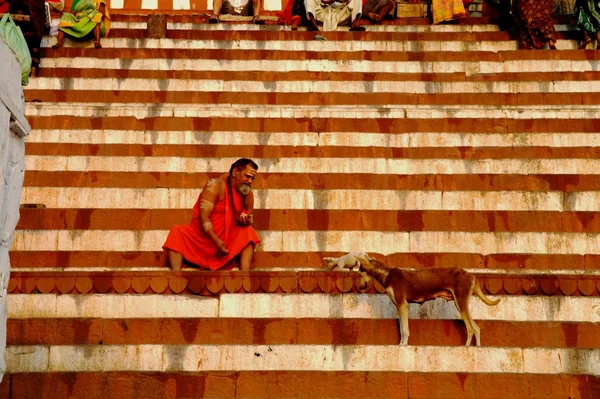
208	198
247	217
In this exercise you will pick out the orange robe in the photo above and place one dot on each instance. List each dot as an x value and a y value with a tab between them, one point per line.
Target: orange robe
197	247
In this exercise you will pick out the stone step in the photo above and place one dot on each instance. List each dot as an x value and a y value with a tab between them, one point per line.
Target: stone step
326	241
297	384
506	125
74	73
302	331
309	164
84	282
525	101
383	358
564	182
302	86
148	218
451	141
268	150
516	308
472	62
90	261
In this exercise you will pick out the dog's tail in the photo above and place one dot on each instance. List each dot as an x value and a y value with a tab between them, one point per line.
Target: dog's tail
481	295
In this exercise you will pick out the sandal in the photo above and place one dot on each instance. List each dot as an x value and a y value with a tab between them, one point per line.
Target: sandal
357	29
97	45
214	19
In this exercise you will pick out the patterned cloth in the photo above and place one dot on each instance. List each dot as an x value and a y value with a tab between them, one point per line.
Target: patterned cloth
447	10
563	7
84	17
588	15
533	22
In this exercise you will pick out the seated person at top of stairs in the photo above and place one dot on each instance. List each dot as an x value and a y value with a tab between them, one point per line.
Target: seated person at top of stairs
587	13
376	10
244	8
85	16
221	227
332	13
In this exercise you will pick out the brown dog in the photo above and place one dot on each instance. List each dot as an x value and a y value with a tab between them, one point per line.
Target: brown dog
405	286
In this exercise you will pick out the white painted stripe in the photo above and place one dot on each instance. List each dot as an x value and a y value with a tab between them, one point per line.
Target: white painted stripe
116	4
316	86
150	4
326	241
286	111
178	5
23	306
387	358
470	68
299	45
332	139
517	308
167	198
383	166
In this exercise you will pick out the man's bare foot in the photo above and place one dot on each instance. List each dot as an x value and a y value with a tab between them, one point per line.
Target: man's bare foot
552	45
374	17
97	45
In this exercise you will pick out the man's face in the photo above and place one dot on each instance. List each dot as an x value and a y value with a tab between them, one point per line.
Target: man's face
243	179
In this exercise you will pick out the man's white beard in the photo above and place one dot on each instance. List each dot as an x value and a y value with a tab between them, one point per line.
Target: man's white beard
244	189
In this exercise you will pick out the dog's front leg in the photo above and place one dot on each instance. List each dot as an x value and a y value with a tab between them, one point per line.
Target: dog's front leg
403	322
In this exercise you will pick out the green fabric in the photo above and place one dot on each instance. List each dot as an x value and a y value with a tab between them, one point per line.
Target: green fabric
11	34
85	11
588	16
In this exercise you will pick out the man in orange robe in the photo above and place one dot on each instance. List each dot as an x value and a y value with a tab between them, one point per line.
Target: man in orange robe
221	226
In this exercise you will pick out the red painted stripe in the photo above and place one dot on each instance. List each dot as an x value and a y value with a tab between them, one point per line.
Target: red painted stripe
279	151
116	259
224	54
280	331
274	76
298	384
316	125
320	220
315	181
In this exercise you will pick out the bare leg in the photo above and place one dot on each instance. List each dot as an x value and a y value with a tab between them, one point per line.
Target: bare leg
246	257
256	4
598	41
61	38
586	40
217	5
175	260
313	22
97	36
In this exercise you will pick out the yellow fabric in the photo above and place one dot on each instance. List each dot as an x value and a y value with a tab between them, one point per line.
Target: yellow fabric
446	10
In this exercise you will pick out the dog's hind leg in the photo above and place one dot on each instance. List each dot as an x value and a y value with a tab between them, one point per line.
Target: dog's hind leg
461	301
403	323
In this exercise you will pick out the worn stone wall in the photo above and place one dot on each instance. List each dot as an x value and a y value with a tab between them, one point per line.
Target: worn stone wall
13	129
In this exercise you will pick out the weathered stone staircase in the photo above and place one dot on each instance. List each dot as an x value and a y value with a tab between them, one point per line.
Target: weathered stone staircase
423	145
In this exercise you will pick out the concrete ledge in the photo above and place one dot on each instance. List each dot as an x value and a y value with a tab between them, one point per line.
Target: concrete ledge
511	308
327	241
193	358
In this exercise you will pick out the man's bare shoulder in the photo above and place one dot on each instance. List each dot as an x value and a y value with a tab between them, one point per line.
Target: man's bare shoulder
215	185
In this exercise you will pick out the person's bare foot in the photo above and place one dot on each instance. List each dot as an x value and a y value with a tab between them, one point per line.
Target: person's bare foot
552	45
374	17
97	45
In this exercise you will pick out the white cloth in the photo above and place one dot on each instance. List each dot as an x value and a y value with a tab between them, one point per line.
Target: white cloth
238	4
335	14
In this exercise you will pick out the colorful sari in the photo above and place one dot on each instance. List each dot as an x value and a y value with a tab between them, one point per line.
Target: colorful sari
447	10
588	15
85	18
534	24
